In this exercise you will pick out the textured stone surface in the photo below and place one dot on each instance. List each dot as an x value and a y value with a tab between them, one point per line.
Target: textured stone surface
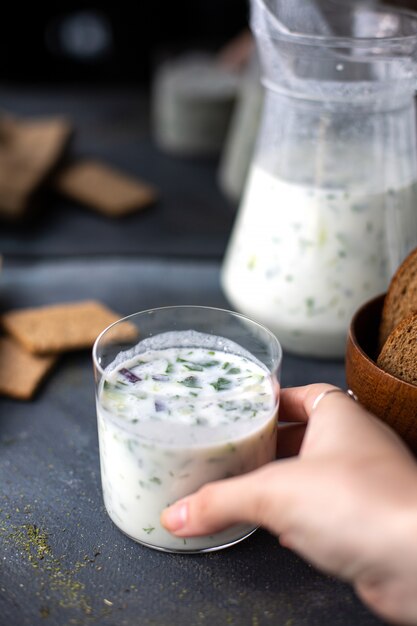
62	561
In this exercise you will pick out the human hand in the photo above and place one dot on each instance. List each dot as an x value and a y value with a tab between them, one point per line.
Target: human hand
347	503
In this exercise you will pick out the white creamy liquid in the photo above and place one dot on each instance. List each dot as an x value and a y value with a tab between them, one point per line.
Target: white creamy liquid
173	418
302	259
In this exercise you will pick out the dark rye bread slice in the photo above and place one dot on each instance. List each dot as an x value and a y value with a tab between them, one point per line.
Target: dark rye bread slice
399	353
401	298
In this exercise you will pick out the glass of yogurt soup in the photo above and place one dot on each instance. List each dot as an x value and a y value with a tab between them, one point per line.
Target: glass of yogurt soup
185	395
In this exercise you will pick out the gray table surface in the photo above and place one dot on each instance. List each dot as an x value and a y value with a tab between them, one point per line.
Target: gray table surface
62	561
191	218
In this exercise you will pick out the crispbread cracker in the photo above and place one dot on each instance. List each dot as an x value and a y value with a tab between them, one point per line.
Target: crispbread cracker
104	188
63	327
21	373
29	150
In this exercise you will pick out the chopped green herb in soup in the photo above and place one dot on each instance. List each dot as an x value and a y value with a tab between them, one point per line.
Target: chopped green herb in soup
173	418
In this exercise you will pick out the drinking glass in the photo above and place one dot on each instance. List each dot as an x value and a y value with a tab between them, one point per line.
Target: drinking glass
148	464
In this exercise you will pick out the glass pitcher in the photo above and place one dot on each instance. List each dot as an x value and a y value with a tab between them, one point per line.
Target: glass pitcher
330	205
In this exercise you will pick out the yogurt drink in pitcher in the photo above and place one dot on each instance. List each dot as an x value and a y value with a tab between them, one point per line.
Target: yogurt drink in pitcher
303	258
330	206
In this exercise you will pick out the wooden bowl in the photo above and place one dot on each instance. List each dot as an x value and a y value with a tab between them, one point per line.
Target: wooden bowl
389	398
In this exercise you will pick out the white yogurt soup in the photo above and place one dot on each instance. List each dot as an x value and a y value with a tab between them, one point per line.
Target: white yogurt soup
303	258
178	410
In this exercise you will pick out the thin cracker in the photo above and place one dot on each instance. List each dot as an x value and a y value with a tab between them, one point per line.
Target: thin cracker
29	150
63	327
21	373
104	188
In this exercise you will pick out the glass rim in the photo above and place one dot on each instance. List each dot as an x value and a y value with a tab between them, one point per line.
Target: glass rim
182	306
342	41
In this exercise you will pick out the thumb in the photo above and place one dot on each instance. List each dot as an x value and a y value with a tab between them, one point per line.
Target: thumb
220	504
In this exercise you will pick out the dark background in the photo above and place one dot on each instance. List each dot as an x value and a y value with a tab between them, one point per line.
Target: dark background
112	42
109	41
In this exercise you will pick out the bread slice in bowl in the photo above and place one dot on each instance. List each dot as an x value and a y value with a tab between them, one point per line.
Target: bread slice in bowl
401	298
399	353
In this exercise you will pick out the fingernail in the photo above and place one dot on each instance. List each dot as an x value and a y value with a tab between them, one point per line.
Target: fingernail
176	516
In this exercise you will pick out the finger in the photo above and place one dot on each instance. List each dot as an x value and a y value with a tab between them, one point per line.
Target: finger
221	504
296	403
339	425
